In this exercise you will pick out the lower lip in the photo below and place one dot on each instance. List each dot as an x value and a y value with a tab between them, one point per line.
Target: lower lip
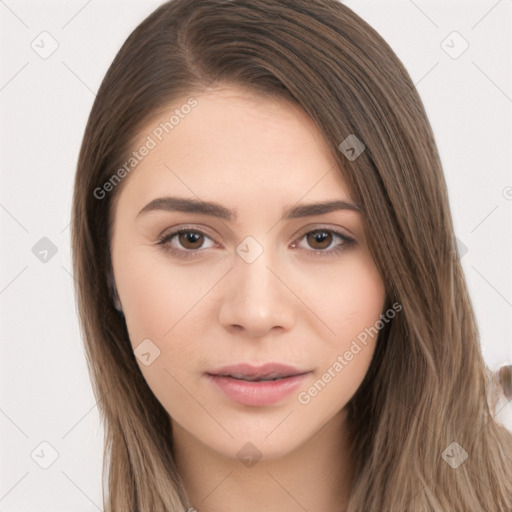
257	393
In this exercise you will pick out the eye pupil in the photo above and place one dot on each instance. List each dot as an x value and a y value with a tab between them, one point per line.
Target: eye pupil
190	238
320	236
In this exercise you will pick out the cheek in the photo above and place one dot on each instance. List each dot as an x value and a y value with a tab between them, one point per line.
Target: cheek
167	305
346	298
162	307
159	297
362	300
349	301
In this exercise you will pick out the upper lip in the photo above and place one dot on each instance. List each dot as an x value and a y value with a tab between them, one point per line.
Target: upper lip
273	370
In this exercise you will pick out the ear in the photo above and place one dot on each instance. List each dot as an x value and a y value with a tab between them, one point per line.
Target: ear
113	291
504	374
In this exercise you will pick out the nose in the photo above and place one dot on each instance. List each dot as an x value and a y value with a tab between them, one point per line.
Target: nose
257	299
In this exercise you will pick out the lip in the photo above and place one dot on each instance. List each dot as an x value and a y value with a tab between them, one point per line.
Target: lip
250	370
257	393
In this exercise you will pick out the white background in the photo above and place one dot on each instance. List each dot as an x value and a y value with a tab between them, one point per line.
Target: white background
44	104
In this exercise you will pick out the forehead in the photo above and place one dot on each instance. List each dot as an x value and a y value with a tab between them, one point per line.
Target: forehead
237	145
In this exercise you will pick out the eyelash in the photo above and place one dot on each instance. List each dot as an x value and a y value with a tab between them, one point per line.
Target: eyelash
191	253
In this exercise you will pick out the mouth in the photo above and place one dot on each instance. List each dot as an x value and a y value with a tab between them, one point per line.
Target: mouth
257	385
252	373
248	378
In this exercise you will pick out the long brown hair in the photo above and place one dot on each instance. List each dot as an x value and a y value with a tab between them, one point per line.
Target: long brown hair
424	404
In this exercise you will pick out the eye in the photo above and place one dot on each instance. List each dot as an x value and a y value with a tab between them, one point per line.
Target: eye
190	241
186	242
323	239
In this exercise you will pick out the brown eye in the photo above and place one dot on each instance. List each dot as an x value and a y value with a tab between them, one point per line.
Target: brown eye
190	240
319	239
186	242
324	242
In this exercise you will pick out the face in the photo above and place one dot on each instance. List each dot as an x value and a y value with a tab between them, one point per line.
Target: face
220	299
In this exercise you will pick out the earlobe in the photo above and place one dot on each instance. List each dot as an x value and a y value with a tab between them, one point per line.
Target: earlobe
113	292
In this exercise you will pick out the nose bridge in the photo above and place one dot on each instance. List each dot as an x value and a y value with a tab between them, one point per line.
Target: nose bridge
254	274
256	300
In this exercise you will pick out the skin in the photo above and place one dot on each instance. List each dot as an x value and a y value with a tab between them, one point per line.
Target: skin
257	155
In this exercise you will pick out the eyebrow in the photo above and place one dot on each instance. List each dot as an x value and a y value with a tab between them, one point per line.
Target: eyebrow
188	205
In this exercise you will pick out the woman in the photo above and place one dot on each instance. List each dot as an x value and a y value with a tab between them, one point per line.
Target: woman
238	364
